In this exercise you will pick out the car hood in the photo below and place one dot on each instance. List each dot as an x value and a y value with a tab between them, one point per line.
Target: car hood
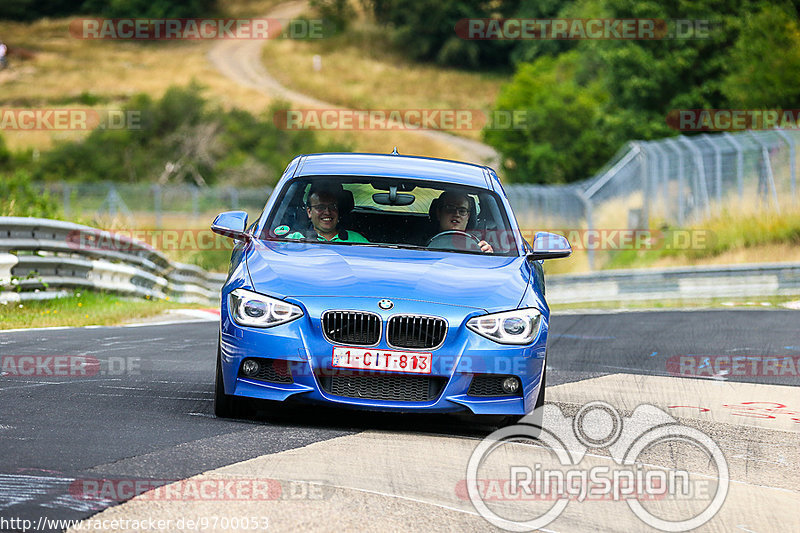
287	269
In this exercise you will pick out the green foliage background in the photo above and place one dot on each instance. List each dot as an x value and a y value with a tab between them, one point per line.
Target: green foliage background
585	98
34	9
203	144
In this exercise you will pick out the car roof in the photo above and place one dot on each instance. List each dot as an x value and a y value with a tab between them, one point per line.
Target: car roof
400	166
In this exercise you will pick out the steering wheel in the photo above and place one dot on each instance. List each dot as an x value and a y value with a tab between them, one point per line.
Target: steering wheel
441	240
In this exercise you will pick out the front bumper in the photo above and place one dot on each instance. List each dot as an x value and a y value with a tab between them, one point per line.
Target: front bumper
463	356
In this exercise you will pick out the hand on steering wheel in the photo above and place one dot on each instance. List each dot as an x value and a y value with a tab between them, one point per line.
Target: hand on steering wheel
472	244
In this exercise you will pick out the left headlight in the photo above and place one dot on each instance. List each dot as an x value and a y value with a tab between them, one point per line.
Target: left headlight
510	327
250	308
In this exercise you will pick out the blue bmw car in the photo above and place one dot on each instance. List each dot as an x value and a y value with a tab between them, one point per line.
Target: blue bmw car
384	282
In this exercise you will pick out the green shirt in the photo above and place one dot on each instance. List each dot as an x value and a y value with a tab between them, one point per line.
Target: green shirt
352	236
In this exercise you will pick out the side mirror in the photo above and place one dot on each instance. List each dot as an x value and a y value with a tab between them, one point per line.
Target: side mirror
231	224
549	246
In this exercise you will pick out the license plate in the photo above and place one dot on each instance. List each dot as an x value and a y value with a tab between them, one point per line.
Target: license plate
392	360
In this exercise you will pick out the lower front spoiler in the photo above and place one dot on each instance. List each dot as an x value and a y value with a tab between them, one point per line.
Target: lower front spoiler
445	403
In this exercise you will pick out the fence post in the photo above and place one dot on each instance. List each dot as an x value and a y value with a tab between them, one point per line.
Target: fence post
702	184
587	206
157	204
792	162
675	146
739	163
644	165
664	181
718	169
65	198
768	168
195	201
234	194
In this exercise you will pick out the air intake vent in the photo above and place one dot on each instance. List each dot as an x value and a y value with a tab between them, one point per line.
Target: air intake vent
416	331
270	370
389	387
351	327
490	385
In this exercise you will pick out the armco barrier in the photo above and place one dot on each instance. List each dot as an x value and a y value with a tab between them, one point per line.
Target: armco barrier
681	283
51	257
46	263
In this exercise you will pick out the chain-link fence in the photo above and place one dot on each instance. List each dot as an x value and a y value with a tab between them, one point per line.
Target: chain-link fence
677	181
153	206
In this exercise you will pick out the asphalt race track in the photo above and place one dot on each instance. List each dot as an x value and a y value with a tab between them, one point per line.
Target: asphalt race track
143	413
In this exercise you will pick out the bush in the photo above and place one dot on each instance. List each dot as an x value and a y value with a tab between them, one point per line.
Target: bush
18	198
183	139
425	30
562	138
34	9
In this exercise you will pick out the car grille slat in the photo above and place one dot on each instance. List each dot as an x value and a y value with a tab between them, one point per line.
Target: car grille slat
351	327
388	387
416	331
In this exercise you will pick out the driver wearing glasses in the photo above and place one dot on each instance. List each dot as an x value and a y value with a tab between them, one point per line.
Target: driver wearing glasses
454	212
322	209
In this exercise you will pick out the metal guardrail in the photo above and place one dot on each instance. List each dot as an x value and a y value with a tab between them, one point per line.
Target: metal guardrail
51	257
680	283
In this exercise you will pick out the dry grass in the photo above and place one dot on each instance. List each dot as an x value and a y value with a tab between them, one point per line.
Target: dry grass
766	253
63	68
358	76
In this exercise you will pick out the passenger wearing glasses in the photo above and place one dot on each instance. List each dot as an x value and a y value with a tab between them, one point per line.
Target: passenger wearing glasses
322	208
454	212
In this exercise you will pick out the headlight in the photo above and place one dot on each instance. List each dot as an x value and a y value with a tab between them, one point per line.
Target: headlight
510	327
249	308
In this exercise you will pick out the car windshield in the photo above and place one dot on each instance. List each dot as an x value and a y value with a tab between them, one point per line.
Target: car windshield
391	212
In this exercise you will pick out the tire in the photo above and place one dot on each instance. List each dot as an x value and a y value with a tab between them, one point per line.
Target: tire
225	405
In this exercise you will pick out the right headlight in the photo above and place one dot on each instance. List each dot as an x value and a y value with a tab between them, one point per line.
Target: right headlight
250	308
520	326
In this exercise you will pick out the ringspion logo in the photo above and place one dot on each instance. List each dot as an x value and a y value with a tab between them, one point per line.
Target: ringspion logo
566	471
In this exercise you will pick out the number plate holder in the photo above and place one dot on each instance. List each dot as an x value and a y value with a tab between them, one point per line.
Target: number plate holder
377	359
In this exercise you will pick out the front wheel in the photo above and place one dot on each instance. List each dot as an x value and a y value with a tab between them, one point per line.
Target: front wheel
225	405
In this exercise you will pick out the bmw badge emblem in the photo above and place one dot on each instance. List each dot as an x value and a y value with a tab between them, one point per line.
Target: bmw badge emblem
386	304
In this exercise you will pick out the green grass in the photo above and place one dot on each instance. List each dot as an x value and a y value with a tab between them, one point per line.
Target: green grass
755	302
717	236
83	308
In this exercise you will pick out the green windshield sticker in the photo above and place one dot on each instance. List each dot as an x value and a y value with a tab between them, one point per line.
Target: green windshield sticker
281	230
